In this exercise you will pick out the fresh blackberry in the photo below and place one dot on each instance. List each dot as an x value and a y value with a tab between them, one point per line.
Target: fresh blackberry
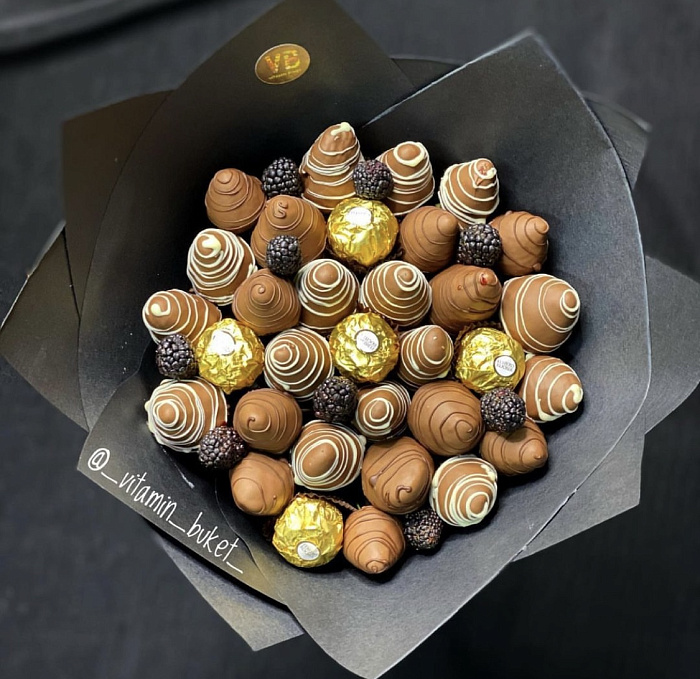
335	400
503	410
282	176
423	529
373	180
221	448
283	256
479	245
175	358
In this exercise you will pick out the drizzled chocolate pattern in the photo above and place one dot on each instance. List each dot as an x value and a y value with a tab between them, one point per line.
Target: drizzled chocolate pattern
327	456
217	263
396	475
398	291
234	200
550	388
524	242
464	490
262	485
178	312
381	411
268	420
425	355
518	452
428	238
412	172
470	190
373	541
180	412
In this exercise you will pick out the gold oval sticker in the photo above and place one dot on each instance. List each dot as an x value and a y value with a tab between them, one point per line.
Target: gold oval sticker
282	64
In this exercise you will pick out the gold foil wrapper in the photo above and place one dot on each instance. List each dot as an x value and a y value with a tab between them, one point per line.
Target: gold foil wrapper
364	347
488	359
229	355
362	231
309	532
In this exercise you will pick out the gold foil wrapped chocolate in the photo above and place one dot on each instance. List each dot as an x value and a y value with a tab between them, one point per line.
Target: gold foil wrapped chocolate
488	359
309	532
364	347
362	231
229	355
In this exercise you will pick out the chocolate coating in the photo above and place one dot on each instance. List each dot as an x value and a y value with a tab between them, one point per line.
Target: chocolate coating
268	420
412	172
524	242
396	475
262	485
425	355
234	200
266	303
463	294
470	190
550	388
517	452
373	541
178	312
428	238
381	411
446	418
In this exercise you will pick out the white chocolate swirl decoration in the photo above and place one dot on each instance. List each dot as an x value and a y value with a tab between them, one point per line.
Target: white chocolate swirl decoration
428	238
326	169
550	388
425	355
173	312
398	291
297	361
217	263
381	411
234	200
180	412
524	242
464	490
539	311
470	191
327	456
327	292
412	172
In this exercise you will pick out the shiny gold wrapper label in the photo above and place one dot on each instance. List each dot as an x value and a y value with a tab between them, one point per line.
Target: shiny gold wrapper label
229	355
362	231
364	347
309	532
488	359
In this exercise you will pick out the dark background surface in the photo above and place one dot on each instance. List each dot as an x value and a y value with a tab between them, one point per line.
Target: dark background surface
85	591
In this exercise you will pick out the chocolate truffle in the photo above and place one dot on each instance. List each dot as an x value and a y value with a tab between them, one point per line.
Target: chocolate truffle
326	170
445	417
297	361
381	411
464	490
396	475
327	456
373	541
398	291
266	303
517	452
523	241
290	216
412	172
174	312
262	485
470	190
327	292
463	294
539	311
425	355
181	412
234	200
428	238
268	420
550	388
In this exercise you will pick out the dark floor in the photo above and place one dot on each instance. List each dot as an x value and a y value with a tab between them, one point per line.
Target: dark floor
85	592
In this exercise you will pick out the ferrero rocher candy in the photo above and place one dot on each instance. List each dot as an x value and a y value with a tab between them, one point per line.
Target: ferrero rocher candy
362	231
309	532
229	355
488	358
364	347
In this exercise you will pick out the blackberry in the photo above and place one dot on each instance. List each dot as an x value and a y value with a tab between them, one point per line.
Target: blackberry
282	176
283	256
479	245
503	410
335	400
423	529
373	180
175	358
221	448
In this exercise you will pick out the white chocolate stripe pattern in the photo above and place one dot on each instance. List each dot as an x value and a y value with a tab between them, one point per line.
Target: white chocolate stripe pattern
176	311
484	205
413	190
415	366
548	409
377	428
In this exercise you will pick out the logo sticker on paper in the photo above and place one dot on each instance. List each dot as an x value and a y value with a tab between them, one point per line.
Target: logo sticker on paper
359	216
307	551
282	64
505	365
366	341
